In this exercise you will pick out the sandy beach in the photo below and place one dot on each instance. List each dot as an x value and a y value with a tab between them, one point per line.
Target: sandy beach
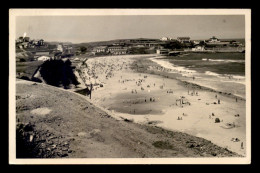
139	89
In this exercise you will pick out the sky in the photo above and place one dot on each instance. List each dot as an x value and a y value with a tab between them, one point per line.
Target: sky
79	29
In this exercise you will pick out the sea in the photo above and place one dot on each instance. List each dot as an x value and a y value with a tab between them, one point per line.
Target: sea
224	72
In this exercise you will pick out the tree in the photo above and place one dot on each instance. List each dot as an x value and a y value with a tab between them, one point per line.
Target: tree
57	72
83	49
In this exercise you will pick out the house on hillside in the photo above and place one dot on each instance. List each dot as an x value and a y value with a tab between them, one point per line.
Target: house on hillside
183	39
23	45
196	42
213	40
119	51
119	44
166	39
113	48
198	48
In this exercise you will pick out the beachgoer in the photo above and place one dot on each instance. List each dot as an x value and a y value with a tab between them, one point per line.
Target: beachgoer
218	101
216	96
236	99
242	146
150	99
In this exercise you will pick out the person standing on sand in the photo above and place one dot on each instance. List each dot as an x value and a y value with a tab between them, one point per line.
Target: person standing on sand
216	96
218	101
91	86
242	146
236	99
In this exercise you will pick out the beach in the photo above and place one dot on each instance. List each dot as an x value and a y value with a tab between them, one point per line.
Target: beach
147	90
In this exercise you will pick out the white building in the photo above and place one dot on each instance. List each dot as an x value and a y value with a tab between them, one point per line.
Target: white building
214	40
100	49
165	39
43	58
60	47
198	48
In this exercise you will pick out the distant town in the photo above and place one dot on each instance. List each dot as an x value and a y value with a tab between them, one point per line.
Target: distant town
39	50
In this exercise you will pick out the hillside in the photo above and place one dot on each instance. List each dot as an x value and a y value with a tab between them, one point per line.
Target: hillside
52	122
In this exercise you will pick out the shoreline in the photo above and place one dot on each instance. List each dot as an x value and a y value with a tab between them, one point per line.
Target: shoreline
187	74
193	85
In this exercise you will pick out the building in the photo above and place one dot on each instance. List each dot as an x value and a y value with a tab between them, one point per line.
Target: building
198	48
213	40
162	51
143	42
166	39
23	39
196	42
100	49
60	47
119	52
23	45
183	39
119	44
113	48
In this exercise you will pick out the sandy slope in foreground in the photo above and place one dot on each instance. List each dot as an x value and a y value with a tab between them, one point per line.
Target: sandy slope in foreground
123	95
66	121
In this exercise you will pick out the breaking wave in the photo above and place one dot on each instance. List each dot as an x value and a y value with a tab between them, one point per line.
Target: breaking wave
222	60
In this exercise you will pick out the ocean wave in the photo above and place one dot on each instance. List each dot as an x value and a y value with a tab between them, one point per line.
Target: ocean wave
222	60
172	67
212	73
229	76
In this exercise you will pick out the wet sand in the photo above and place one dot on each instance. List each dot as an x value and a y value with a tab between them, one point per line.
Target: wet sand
132	89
